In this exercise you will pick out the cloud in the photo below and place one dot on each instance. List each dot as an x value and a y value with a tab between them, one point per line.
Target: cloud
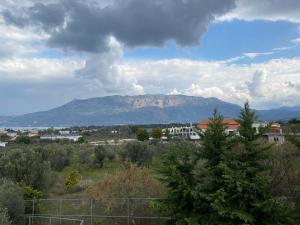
253	55
102	69
83	26
52	82
258	84
296	41
274	10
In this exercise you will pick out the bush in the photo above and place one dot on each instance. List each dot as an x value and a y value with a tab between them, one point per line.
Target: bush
25	165
100	154
142	134
72	180
85	155
4	218
157	133
136	153
23	140
11	199
4	137
133	182
59	156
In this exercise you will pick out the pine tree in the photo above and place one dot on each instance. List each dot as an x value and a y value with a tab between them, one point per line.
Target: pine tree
244	198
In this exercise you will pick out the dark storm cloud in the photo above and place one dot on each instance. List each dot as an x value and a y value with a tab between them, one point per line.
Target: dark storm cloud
82	26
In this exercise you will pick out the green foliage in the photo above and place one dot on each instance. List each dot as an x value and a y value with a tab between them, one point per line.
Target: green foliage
81	140
4	218
4	137
23	140
157	133
11	199
137	153
177	173
225	182
142	134
100	154
25	165
30	193
59	156
72	180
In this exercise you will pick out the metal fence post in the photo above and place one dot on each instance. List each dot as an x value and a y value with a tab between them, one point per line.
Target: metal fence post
33	207
60	211
128	211
91	211
50	221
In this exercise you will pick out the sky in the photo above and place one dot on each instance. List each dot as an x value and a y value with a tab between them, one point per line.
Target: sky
54	51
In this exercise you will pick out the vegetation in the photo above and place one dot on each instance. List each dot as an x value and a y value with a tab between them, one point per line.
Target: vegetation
137	153
4	218
157	133
100	154
225	181
11	199
142	134
23	140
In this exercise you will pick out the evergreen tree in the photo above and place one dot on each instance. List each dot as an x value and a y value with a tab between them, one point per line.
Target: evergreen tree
176	172
245	198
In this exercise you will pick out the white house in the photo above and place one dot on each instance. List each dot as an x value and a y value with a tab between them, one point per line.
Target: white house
61	137
188	132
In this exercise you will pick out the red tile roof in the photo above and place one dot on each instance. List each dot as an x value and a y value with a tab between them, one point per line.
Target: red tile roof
229	123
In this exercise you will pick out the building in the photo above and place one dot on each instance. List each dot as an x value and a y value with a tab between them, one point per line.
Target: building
74	138
232	126
275	135
188	132
3	144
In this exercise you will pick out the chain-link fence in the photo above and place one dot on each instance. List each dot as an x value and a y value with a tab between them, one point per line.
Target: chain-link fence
43	220
112	211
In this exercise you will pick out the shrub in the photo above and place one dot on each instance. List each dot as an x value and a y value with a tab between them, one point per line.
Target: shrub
133	182
157	133
11	199
100	154
59	156
137	153
23	140
4	218
25	165
72	180
142	134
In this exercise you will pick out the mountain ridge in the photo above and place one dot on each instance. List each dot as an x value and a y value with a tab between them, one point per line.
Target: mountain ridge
139	109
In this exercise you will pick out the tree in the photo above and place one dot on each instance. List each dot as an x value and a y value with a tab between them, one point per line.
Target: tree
137	153
11	199
224	182
23	140
142	134
25	165
100	154
243	196
81	140
176	171
4	137
157	133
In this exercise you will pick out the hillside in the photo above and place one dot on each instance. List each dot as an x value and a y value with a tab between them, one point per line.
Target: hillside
143	109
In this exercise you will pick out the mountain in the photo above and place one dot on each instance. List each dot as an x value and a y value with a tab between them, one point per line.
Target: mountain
142	109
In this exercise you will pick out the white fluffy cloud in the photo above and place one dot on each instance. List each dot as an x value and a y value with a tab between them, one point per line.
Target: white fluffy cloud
287	10
270	84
